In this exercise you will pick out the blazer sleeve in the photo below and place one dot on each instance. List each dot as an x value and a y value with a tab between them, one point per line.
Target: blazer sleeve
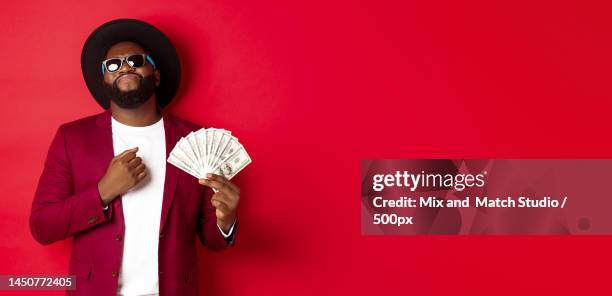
57	211
208	231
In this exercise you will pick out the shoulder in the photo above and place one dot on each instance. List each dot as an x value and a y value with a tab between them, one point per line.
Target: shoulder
81	124
87	123
181	124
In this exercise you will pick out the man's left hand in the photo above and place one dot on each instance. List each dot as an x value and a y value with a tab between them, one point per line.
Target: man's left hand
225	200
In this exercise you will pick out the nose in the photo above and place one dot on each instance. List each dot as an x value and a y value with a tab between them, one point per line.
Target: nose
125	67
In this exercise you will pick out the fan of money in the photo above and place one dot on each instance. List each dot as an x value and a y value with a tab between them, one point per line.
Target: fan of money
209	150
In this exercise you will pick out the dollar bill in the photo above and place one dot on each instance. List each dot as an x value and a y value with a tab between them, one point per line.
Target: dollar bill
209	150
234	164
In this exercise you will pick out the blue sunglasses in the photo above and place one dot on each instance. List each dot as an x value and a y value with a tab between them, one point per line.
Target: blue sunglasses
136	60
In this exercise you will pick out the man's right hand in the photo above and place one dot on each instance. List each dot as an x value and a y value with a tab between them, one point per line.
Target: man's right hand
125	171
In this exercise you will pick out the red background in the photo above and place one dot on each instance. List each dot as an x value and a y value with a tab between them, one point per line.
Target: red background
313	87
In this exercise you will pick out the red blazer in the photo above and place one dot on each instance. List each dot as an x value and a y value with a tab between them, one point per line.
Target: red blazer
67	203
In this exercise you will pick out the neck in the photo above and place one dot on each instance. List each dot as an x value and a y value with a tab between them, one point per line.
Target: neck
144	115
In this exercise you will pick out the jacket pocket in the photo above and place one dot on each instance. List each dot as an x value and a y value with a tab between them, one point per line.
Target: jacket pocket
191	272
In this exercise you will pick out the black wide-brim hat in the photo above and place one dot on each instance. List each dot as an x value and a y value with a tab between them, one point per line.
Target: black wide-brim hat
153	40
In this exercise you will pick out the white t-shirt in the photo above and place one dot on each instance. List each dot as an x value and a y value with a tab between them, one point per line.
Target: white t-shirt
142	207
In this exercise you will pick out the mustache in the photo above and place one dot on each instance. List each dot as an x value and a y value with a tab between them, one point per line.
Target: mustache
132	98
132	73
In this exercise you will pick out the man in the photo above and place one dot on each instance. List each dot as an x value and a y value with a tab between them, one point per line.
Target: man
106	184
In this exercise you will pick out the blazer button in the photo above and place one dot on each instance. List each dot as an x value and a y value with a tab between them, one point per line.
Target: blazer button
92	219
161	235
114	274
119	237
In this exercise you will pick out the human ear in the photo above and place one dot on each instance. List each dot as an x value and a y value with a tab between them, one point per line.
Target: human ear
156	75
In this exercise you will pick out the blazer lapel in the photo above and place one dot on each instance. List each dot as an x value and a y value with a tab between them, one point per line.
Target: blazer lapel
172	172
106	154
103	123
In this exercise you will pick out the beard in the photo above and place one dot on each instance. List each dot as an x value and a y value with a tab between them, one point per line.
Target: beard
130	99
